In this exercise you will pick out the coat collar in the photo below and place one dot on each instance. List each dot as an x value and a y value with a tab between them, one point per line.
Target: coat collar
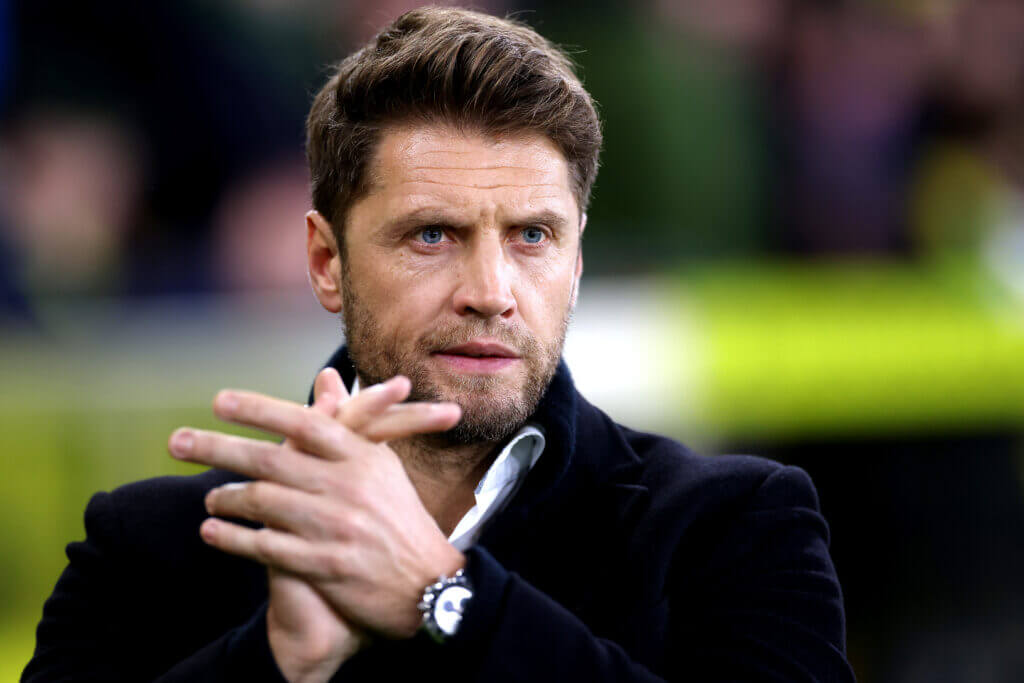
583	446
556	414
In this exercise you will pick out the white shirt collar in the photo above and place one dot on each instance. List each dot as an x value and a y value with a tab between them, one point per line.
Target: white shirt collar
501	481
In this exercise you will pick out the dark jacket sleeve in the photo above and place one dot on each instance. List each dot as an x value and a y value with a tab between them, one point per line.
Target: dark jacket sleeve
103	621
241	654
767	607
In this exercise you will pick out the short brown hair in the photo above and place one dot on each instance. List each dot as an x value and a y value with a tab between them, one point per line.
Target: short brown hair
452	65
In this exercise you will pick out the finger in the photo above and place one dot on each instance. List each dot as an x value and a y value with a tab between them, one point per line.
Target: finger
409	419
252	458
360	410
278	507
307	430
377	414
318	435
329	382
277	549
325	403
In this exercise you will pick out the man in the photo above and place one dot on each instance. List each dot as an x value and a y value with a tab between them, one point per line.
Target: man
464	514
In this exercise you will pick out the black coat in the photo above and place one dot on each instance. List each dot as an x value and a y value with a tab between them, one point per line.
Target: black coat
623	557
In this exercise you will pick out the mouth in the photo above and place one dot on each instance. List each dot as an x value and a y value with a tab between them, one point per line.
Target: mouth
479	356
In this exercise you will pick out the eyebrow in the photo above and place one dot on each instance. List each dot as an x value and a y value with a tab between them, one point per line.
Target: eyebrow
435	216
552	219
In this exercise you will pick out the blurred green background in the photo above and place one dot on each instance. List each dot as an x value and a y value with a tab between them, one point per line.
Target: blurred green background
806	241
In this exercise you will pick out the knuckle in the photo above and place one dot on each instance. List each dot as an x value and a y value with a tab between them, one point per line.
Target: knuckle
212	446
350	443
355	525
321	485
339	523
343	413
338	483
265	463
306	428
333	484
328	522
355	418
333	563
263	541
357	499
257	496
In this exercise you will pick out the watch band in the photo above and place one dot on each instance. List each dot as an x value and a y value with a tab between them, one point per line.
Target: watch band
443	604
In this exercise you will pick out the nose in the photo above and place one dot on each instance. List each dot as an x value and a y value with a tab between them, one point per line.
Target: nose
485	285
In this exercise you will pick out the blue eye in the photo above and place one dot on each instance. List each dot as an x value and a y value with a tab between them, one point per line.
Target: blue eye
432	235
533	235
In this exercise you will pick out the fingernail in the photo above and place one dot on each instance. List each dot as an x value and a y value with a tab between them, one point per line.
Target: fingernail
227	401
214	493
181	443
208	529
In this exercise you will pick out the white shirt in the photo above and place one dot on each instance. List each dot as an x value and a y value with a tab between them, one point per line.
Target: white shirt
501	481
504	477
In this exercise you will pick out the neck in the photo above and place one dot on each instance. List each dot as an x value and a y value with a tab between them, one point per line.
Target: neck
445	476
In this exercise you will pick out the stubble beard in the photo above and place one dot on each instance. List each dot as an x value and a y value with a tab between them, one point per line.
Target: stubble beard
489	413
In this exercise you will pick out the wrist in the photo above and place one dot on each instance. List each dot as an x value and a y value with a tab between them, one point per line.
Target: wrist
443	596
305	657
449	562
443	605
446	561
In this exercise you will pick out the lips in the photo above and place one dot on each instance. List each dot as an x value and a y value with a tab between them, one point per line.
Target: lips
481	349
478	357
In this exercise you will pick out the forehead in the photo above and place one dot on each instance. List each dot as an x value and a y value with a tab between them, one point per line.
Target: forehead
419	165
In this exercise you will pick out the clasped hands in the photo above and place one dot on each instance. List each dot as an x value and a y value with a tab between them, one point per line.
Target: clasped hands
346	540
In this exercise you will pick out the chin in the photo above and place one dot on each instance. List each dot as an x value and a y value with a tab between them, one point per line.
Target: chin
493	408
484	427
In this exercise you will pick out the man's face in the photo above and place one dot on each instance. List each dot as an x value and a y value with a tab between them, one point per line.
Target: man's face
460	271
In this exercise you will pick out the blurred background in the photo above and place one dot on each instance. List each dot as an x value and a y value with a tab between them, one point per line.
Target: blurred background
806	242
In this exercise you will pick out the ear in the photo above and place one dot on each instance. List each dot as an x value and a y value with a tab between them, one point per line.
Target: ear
579	263
324	262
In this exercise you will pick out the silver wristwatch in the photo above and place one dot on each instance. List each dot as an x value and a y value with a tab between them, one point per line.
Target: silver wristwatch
443	604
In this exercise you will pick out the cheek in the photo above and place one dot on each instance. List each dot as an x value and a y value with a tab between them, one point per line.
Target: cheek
393	277
405	290
545	291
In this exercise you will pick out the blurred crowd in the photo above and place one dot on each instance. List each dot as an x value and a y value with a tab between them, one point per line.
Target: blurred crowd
150	148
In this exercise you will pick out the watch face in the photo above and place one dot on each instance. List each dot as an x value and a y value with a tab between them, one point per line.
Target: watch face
449	606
